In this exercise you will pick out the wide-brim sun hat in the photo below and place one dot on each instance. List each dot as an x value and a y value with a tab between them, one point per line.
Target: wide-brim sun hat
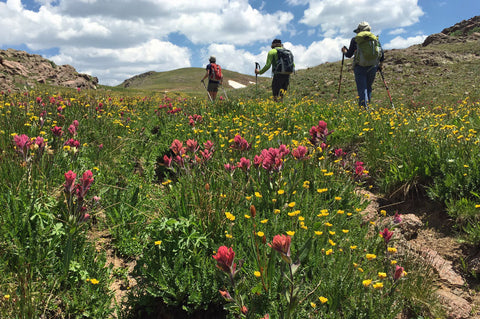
362	26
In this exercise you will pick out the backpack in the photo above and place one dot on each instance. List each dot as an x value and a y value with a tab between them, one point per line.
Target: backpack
215	72
285	64
369	51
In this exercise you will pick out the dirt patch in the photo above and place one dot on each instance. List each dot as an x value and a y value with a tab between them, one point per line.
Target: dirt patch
122	281
438	244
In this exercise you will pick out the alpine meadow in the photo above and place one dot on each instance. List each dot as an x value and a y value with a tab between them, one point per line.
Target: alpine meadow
147	200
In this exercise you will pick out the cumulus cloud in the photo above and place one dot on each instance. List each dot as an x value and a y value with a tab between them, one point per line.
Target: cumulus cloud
342	16
401	43
115	65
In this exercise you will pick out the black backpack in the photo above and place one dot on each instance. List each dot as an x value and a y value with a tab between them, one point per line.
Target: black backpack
285	64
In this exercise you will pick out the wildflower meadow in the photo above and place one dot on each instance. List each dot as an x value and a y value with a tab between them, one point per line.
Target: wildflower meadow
244	208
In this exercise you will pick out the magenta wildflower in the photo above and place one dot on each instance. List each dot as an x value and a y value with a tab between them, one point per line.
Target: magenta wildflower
229	167
399	272
177	147
300	152
69	185
387	235
319	133
224	258
72	143
397	218
206	154
244	164
241	144
57	131
192	146
281	243
167	161
85	182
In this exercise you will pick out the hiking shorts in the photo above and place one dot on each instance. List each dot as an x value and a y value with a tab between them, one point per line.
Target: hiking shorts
280	82
213	86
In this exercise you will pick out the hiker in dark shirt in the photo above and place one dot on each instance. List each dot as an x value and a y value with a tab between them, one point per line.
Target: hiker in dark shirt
364	75
213	84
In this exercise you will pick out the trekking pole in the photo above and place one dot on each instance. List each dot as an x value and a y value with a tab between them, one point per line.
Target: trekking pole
224	92
257	67
386	87
208	93
341	72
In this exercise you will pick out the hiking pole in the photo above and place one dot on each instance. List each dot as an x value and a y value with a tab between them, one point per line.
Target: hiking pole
224	92
208	93
386	87
341	72
257	67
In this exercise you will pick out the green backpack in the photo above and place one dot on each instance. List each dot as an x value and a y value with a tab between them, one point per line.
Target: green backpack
369	51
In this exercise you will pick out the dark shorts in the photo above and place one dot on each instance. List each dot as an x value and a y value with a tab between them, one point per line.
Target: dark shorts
280	82
213	86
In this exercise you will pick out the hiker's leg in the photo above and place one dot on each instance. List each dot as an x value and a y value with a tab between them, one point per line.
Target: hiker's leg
213	89
276	86
285	79
361	81
370	78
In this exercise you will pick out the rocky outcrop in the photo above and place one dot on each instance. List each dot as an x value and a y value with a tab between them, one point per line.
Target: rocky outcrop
20	69
467	30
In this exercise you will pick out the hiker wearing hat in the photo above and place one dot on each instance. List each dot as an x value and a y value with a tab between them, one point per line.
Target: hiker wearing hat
215	77
282	64
368	56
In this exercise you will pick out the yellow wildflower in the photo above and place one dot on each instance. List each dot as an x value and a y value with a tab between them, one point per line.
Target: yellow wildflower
378	285
371	256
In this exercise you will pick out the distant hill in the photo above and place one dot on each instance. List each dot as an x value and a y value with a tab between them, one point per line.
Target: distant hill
185	80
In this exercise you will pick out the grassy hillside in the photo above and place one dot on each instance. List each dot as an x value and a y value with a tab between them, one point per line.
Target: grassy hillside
185	80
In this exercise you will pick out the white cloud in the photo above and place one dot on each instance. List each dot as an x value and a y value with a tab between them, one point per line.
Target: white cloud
401	43
397	31
115	65
342	16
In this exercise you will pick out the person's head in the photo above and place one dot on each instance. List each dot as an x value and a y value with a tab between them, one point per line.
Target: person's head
362	26
276	43
212	59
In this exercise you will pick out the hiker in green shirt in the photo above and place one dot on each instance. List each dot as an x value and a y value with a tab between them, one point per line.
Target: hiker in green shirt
281	77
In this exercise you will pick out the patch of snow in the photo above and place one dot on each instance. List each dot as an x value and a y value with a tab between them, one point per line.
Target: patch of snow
235	85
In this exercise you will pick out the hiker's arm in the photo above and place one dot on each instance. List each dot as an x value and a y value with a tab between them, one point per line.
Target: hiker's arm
270	57
206	75
351	49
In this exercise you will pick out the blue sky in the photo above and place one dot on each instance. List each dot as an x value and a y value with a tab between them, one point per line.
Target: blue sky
117	39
